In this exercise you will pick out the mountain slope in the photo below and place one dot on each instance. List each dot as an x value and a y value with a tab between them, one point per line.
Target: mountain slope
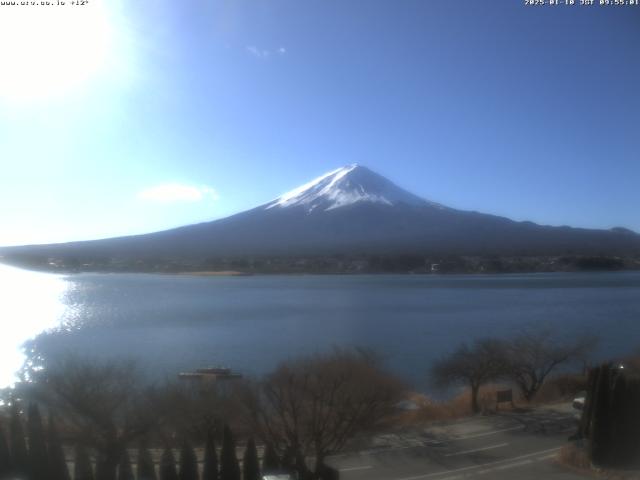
351	210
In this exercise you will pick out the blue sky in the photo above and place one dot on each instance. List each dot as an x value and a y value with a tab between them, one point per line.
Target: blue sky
128	117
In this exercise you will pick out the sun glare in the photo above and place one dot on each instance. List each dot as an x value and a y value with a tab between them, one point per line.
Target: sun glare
47	51
24	317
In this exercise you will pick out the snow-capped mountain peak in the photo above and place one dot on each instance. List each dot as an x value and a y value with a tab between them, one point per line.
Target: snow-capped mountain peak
346	186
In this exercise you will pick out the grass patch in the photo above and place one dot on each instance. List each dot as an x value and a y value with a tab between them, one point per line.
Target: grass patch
430	410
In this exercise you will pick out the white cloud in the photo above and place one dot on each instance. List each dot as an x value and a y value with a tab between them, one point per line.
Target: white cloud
263	53
256	52
175	192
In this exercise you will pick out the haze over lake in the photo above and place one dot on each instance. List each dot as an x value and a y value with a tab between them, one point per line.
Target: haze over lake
176	323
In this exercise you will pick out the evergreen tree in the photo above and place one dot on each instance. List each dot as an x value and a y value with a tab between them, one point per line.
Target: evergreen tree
587	410
38	468
229	468
270	460
146	468
600	435
626	421
5	457
104	470
82	468
58	469
125	471
250	465
188	463
633	432
613	419
210	470
619	420
18	445
168	466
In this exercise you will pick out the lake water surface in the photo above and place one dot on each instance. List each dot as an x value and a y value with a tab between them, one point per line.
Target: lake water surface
174	323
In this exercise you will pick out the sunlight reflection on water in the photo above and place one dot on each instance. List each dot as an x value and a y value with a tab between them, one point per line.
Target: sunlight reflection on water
30	303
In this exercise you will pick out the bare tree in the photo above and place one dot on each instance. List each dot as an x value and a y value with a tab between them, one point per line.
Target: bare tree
534	354
482	362
313	406
105	404
194	409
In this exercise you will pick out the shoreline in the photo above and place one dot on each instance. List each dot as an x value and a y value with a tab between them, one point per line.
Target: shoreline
213	273
239	273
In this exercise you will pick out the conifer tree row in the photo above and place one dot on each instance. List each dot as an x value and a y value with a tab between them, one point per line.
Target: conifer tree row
39	455
36	454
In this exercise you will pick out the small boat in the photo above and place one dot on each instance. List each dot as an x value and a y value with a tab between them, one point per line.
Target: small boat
214	370
211	373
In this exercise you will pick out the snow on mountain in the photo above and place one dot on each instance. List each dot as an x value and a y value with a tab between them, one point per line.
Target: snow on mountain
346	186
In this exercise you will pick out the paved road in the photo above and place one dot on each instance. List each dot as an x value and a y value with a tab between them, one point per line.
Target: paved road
520	446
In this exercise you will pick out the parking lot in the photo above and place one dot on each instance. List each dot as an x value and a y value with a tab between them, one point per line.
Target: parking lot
509	445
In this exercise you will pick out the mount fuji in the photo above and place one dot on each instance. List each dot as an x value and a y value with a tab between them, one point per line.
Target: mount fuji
348	211
346	186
